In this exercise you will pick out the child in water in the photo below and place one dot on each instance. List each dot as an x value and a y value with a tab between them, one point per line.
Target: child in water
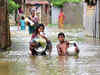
64	45
22	22
40	33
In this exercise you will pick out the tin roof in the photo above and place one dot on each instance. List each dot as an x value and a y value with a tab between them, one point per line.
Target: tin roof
36	2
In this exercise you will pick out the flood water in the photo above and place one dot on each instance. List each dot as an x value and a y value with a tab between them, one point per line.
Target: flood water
18	61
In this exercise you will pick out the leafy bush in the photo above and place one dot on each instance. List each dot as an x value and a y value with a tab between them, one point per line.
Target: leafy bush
60	3
12	6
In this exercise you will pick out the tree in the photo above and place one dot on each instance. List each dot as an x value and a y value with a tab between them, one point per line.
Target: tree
12	6
60	3
4	25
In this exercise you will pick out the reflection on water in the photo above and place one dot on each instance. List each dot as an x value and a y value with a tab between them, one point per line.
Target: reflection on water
39	65
12	68
58	65
54	65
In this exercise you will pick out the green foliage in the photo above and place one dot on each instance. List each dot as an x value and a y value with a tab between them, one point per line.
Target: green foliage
60	3
12	6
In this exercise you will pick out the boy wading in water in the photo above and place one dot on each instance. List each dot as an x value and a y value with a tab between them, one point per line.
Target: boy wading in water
22	22
63	45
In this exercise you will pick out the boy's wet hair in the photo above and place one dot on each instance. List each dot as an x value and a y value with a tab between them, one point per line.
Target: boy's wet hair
61	34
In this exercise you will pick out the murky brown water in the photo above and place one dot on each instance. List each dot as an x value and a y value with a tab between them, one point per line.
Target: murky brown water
18	61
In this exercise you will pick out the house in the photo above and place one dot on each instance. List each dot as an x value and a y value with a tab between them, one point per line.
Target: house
72	11
90	14
42	10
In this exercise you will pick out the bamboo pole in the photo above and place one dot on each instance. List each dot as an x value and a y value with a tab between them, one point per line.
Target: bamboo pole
98	20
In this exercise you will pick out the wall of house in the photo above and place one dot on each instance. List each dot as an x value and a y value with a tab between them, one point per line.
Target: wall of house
91	20
73	13
27	10
54	15
45	16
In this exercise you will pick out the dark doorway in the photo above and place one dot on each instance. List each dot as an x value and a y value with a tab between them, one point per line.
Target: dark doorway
91	2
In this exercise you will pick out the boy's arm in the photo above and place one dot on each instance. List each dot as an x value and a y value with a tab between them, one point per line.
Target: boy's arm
67	44
77	49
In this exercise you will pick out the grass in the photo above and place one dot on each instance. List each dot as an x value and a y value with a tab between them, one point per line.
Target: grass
68	26
52	24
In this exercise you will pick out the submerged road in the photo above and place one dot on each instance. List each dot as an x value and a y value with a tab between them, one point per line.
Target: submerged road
18	61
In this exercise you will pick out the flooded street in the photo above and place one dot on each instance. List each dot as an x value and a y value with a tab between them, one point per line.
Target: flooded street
18	61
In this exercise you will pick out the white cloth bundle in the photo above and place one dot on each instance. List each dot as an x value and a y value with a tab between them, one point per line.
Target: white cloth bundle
72	49
28	20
